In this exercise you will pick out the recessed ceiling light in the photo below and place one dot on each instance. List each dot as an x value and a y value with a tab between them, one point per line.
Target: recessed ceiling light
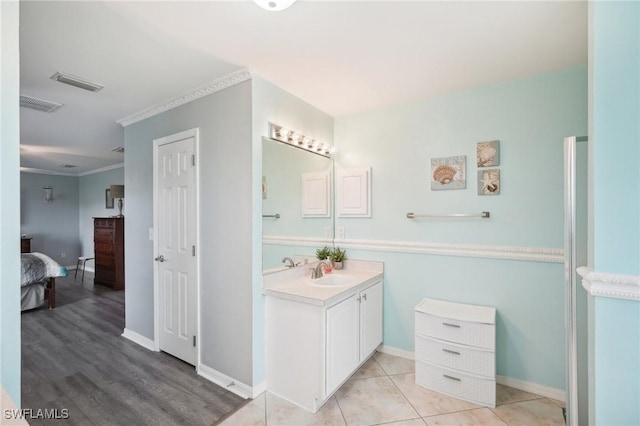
74	81
38	104
274	5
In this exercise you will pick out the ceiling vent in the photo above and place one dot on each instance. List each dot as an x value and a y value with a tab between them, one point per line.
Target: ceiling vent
72	80
118	149
66	166
38	104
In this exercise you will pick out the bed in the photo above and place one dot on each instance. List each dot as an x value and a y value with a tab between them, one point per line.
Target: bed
38	280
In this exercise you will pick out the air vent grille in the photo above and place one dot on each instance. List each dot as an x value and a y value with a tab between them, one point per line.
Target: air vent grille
38	104
118	149
66	166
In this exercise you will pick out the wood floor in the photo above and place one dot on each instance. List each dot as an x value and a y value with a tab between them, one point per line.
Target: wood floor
74	358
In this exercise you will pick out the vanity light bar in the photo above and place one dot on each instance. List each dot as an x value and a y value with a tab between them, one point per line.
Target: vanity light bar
299	140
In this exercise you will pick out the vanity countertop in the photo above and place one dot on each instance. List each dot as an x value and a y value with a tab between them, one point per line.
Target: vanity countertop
299	288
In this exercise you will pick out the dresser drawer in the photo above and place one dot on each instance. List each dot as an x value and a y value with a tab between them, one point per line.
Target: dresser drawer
477	389
458	357
104	248
451	330
104	223
105	261
100	232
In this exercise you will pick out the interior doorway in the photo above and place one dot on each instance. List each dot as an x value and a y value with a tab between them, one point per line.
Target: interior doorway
175	247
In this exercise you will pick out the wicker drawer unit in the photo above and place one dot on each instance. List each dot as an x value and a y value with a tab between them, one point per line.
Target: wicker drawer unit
455	350
108	242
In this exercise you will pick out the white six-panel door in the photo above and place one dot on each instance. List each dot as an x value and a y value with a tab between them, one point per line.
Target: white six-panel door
175	220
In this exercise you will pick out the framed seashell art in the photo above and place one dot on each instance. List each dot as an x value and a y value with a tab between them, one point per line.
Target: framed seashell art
448	173
488	154
489	182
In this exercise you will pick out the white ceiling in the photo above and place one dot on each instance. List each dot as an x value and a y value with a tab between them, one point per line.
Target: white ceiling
343	57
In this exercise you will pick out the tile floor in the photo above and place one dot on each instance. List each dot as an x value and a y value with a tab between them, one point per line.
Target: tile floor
383	391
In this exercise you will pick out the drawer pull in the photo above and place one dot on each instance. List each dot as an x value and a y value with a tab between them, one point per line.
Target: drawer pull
451	378
449	351
448	324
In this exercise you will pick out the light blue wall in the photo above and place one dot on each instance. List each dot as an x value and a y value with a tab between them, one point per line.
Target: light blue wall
272	104
9	201
225	232
92	204
53	226
616	193
530	117
616	69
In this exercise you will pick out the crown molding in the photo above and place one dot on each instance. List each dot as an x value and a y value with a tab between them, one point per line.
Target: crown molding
102	169
530	254
45	172
603	284
51	172
222	83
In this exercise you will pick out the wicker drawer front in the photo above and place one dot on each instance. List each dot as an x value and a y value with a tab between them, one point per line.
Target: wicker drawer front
466	333
465	358
477	389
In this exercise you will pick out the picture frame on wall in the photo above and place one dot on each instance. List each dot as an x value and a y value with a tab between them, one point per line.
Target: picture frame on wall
448	173
489	182
108	200
488	154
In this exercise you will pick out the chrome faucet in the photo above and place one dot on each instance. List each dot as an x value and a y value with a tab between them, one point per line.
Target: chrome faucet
290	261
317	271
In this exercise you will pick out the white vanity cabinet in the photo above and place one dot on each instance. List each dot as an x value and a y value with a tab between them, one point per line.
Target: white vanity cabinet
312	349
354	331
455	350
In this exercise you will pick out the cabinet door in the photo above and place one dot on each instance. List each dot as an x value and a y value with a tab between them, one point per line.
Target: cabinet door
342	355
370	319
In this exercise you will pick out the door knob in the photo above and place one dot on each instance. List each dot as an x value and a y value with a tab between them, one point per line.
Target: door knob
159	258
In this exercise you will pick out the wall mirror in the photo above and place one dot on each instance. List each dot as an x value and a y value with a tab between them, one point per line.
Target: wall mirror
295	218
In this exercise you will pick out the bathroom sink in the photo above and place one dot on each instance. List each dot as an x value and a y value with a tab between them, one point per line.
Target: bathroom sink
332	281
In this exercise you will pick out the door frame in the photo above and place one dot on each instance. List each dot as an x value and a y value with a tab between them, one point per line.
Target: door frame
195	133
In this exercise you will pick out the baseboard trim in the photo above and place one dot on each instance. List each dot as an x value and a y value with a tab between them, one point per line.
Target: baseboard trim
390	350
138	338
229	383
546	391
87	268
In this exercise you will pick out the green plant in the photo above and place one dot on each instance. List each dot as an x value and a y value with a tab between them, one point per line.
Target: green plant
323	253
338	255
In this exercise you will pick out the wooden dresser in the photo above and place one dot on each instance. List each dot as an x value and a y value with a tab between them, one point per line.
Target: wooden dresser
108	241
25	245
